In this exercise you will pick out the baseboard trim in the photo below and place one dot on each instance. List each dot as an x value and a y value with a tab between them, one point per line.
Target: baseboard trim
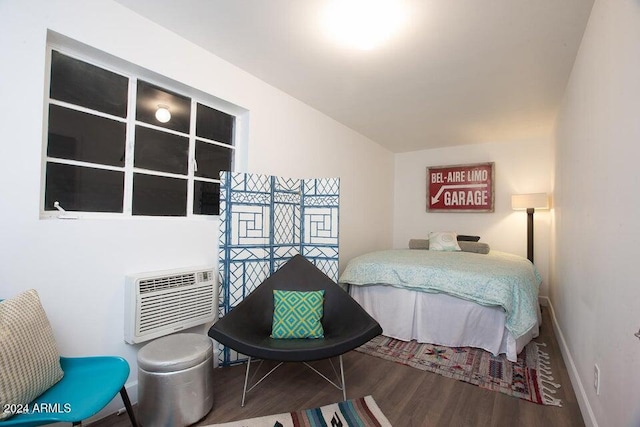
578	386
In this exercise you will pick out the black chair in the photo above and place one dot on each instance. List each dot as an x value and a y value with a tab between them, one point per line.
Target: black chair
247	328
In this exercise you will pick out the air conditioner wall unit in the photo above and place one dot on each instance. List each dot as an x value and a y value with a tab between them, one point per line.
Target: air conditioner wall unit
163	302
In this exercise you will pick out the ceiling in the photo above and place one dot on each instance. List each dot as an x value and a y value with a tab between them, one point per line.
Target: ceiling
459	72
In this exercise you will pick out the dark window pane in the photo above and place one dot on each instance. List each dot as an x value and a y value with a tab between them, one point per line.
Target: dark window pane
79	83
80	136
152	97
159	195
161	151
214	124
212	159
206	198
84	189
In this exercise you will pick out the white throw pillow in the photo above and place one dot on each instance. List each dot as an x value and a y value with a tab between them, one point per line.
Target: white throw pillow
29	359
443	241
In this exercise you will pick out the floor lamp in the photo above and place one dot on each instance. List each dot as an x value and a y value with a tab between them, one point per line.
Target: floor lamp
530	202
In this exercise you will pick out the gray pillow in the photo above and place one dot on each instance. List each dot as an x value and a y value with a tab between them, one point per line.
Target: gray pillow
29	360
419	244
475	247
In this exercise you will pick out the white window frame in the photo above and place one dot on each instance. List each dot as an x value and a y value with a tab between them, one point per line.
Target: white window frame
134	73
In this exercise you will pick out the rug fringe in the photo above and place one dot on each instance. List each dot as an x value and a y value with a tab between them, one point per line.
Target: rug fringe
545	377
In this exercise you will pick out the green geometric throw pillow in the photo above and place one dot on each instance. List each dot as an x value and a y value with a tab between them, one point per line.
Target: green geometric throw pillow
297	314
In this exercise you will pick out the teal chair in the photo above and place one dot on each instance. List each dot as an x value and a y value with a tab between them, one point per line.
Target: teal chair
88	385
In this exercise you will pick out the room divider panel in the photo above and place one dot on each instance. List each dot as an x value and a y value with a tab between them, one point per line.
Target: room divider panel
266	220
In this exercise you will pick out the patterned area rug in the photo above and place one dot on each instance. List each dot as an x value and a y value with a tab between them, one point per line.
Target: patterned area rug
357	412
529	379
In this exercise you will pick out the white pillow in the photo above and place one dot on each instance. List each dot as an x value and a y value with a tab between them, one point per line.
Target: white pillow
443	241
29	359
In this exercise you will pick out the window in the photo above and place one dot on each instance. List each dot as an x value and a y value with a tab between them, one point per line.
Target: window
110	150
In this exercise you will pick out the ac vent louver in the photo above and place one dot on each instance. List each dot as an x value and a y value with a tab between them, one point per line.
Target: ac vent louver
163	302
162	283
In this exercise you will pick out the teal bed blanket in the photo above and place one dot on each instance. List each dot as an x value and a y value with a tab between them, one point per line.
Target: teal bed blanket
494	279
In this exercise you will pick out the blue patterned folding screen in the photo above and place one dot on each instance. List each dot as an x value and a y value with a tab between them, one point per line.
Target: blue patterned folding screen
266	220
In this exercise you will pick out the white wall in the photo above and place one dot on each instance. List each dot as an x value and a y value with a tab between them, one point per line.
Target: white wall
520	167
594	286
78	267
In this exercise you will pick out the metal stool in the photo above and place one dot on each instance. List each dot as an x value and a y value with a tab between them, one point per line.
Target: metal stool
175	380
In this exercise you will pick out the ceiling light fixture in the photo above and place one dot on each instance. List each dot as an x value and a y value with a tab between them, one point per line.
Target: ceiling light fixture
163	114
364	24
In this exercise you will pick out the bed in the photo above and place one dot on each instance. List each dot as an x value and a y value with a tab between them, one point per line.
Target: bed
457	299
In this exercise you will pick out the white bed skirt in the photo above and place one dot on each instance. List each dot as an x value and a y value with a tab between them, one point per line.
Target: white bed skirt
440	319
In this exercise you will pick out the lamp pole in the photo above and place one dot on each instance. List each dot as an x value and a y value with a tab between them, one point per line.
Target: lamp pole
530	234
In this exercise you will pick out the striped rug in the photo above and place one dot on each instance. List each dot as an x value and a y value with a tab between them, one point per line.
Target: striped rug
357	412
530	378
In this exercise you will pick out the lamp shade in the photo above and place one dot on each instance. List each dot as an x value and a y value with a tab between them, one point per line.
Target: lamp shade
528	201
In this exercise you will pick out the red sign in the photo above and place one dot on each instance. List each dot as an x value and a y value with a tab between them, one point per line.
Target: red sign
460	188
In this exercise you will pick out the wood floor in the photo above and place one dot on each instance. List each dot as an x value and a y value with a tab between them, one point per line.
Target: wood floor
407	396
